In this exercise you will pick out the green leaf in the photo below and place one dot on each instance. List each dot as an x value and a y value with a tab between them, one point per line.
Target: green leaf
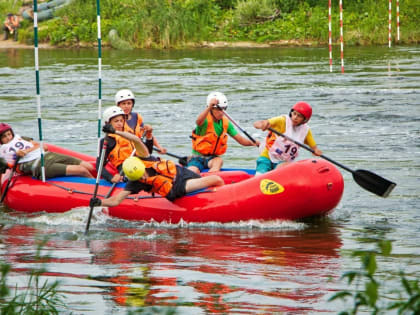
386	247
340	295
371	289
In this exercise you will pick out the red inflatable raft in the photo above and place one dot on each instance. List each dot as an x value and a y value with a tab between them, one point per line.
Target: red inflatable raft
299	190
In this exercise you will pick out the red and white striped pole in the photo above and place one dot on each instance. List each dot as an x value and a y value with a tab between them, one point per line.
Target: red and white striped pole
389	22
398	20
341	37
329	34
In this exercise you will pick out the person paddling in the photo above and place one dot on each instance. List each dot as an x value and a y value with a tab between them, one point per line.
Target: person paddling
29	153
134	121
210	136
277	150
151	174
118	148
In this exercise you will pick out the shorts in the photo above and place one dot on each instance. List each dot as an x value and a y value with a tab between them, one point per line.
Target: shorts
265	165
200	162
55	164
178	186
182	176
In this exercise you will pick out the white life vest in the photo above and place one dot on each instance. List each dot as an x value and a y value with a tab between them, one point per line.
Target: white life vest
8	150
285	150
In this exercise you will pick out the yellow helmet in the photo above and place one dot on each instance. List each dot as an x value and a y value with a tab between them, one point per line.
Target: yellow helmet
133	168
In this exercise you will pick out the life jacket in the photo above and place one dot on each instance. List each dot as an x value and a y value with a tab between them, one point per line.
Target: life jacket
121	151
162	182
210	143
281	149
138	130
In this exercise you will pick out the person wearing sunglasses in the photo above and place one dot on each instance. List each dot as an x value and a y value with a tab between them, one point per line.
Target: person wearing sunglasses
210	136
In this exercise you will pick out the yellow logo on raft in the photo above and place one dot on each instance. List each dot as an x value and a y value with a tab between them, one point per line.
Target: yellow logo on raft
270	187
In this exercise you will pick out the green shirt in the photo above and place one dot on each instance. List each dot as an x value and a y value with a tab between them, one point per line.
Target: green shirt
218	128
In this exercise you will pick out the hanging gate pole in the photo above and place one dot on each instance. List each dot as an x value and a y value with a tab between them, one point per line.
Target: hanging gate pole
38	97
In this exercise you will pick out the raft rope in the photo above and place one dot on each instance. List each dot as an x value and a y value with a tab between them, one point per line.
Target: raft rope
152	196
38	97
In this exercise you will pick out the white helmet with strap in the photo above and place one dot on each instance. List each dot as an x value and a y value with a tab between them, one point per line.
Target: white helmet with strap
223	102
112	112
123	95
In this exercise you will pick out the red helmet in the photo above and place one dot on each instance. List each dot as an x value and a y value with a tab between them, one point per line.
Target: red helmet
304	108
4	127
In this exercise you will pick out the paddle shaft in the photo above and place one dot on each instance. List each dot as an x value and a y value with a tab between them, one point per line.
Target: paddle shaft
98	178
9	180
311	150
237	125
366	179
115	184
170	154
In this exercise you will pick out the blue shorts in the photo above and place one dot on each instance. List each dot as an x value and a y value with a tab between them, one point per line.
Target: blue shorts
200	162
265	165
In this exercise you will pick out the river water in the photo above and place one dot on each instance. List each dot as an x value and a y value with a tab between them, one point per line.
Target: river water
367	118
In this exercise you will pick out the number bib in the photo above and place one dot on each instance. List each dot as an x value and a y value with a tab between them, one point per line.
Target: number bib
283	150
8	150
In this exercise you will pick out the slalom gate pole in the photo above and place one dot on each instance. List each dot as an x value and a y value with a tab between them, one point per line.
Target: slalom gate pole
98	13
329	34
38	96
341	37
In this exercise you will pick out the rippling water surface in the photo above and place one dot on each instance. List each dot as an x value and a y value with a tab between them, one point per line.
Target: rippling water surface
367	118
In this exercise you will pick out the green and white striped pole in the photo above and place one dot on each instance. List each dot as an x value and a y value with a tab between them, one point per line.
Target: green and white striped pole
38	97
98	13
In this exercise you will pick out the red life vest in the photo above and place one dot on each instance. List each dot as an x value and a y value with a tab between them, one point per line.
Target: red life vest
121	151
210	143
162	182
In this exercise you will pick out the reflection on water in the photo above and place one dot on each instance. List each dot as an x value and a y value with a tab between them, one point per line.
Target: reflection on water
367	118
207	269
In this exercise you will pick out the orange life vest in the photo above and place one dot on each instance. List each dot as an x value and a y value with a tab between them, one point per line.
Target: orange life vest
121	151
162	182
138	130
210	143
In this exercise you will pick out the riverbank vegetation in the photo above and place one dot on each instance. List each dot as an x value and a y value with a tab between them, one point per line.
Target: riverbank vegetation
179	23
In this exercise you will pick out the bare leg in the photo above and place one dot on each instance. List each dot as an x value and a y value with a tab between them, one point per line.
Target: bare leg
203	182
78	170
215	164
87	165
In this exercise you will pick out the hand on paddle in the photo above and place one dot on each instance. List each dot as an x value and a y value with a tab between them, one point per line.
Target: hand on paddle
95	202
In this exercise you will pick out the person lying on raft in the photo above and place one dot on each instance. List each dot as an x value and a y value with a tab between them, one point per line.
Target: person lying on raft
29	153
134	121
278	150
151	174
210	136
118	148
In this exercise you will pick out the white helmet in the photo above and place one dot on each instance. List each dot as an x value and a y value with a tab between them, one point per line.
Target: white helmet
112	112
123	95
223	102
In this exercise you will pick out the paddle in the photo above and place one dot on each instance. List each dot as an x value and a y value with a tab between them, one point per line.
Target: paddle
98	178
183	160
9	179
237	125
366	179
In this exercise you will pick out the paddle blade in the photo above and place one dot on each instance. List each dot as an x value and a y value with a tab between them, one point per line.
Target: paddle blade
374	183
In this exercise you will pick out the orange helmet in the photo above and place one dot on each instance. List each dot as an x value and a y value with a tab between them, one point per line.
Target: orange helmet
304	108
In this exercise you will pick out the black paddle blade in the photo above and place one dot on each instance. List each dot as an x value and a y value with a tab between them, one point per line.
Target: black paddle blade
374	183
